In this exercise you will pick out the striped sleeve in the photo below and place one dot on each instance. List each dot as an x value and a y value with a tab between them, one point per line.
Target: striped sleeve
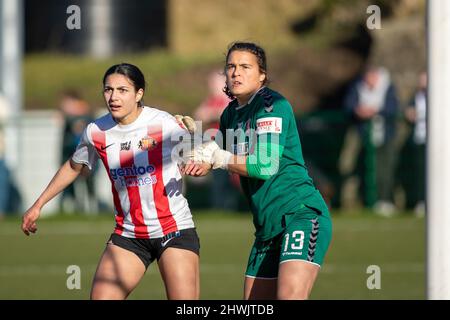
85	152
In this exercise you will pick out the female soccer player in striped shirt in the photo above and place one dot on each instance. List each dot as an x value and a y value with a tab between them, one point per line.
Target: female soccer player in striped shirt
153	220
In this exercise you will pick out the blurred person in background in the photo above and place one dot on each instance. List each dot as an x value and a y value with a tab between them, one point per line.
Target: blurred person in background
372	102
135	144
211	108
322	133
76	113
5	187
224	194
292	222
412	155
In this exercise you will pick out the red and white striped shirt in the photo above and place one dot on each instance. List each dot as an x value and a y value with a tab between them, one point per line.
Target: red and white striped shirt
146	181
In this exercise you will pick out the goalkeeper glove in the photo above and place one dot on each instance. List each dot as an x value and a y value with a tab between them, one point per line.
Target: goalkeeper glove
186	123
210	152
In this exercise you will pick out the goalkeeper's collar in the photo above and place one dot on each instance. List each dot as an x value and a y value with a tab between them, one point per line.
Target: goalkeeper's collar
251	99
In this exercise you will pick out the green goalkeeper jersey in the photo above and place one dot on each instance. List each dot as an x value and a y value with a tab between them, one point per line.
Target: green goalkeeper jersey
268	119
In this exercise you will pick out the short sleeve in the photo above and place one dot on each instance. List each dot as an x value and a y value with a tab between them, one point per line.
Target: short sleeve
85	152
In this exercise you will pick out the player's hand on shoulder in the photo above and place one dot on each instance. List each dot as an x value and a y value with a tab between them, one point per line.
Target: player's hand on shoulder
186	122
29	220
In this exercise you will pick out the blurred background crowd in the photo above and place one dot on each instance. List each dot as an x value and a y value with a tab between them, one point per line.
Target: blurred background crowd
359	94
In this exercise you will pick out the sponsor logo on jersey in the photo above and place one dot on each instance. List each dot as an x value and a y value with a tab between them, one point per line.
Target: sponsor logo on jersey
134	176
147	143
125	146
269	125
137	181
131	171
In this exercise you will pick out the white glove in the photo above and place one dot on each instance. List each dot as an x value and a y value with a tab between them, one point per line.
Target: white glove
210	152
186	122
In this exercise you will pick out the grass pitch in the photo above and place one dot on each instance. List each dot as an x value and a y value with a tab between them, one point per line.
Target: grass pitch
35	267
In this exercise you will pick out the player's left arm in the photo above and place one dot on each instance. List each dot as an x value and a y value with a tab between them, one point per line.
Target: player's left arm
265	153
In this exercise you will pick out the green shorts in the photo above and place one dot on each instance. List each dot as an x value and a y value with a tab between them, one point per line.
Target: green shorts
306	237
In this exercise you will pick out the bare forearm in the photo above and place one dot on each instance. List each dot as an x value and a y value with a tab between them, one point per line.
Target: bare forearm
237	165
64	177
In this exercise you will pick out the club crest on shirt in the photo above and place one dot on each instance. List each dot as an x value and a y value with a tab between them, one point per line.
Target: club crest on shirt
147	143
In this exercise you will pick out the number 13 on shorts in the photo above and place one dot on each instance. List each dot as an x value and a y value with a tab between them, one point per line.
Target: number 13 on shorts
297	238
300	240
306	238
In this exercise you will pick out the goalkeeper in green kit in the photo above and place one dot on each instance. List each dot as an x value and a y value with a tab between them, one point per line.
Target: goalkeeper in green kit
258	139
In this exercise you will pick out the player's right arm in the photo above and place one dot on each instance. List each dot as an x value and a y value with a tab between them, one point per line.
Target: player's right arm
68	172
